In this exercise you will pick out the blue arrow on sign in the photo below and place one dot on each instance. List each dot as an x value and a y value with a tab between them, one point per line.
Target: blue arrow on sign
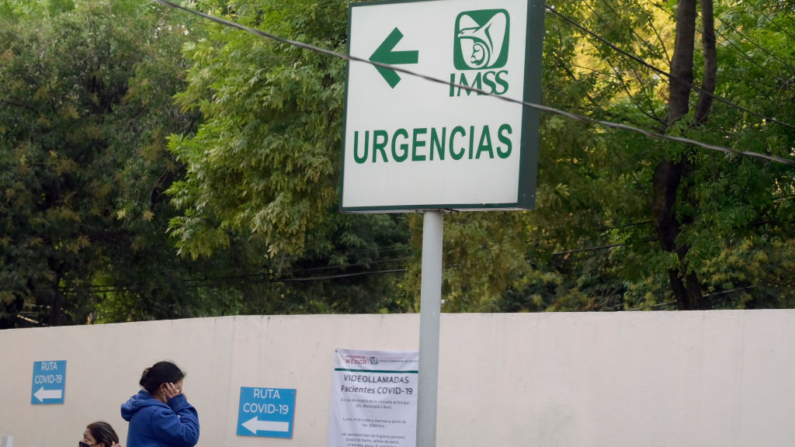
266	412
49	382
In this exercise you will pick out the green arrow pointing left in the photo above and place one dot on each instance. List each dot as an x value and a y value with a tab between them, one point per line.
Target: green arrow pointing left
385	55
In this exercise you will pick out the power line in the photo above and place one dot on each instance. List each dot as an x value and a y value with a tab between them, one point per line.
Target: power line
787	17
303	270
580	250
788	65
601	247
257	277
739	51
631	224
347	275
378	251
648	45
770	20
661	72
252	278
618	76
594	70
729	291
650	114
292	271
562	65
652	306
744	55
733	47
261	280
538	107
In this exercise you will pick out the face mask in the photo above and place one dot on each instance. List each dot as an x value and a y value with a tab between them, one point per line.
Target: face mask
83	444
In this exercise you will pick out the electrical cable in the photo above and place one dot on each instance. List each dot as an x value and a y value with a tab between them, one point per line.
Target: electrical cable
770	20
615	75
727	43
538	107
729	291
312	269
651	306
346	275
597	71
649	114
739	51
210	284
752	42
661	72
648	45
226	279
601	247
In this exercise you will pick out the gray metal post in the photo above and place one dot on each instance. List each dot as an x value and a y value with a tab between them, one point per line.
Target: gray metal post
430	311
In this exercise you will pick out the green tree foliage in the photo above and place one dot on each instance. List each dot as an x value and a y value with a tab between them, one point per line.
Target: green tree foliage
112	131
265	162
85	107
85	169
734	212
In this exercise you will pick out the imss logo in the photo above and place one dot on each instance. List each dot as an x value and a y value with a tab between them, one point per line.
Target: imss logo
481	39
481	44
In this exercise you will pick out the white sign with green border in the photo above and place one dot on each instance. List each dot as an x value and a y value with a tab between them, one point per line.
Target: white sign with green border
412	144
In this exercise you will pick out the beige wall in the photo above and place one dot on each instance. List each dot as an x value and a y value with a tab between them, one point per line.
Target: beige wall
609	379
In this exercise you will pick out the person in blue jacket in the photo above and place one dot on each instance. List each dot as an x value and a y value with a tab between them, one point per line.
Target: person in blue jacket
160	415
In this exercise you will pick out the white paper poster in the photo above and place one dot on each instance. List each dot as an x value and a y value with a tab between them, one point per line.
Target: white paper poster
374	399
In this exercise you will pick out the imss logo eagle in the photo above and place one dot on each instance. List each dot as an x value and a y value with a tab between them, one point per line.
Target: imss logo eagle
481	39
481	44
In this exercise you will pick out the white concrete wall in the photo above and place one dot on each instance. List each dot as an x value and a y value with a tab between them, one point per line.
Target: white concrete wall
599	379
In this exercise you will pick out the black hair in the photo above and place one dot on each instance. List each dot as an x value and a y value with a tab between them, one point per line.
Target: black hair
102	432
158	374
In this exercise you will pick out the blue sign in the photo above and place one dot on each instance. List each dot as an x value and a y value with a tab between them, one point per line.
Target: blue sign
266	412
49	382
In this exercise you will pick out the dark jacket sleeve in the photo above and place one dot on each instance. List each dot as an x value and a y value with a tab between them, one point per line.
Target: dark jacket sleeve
177	426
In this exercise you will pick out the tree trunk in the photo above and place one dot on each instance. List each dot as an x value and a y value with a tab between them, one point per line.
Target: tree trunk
682	61
668	174
56	303
710	62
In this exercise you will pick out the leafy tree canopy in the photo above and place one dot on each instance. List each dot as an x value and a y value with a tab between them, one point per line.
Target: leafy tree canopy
156	165
266	161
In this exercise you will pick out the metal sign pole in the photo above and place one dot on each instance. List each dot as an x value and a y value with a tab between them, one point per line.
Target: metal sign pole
430	312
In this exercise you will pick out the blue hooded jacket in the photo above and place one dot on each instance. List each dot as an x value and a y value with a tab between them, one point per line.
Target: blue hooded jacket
155	424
